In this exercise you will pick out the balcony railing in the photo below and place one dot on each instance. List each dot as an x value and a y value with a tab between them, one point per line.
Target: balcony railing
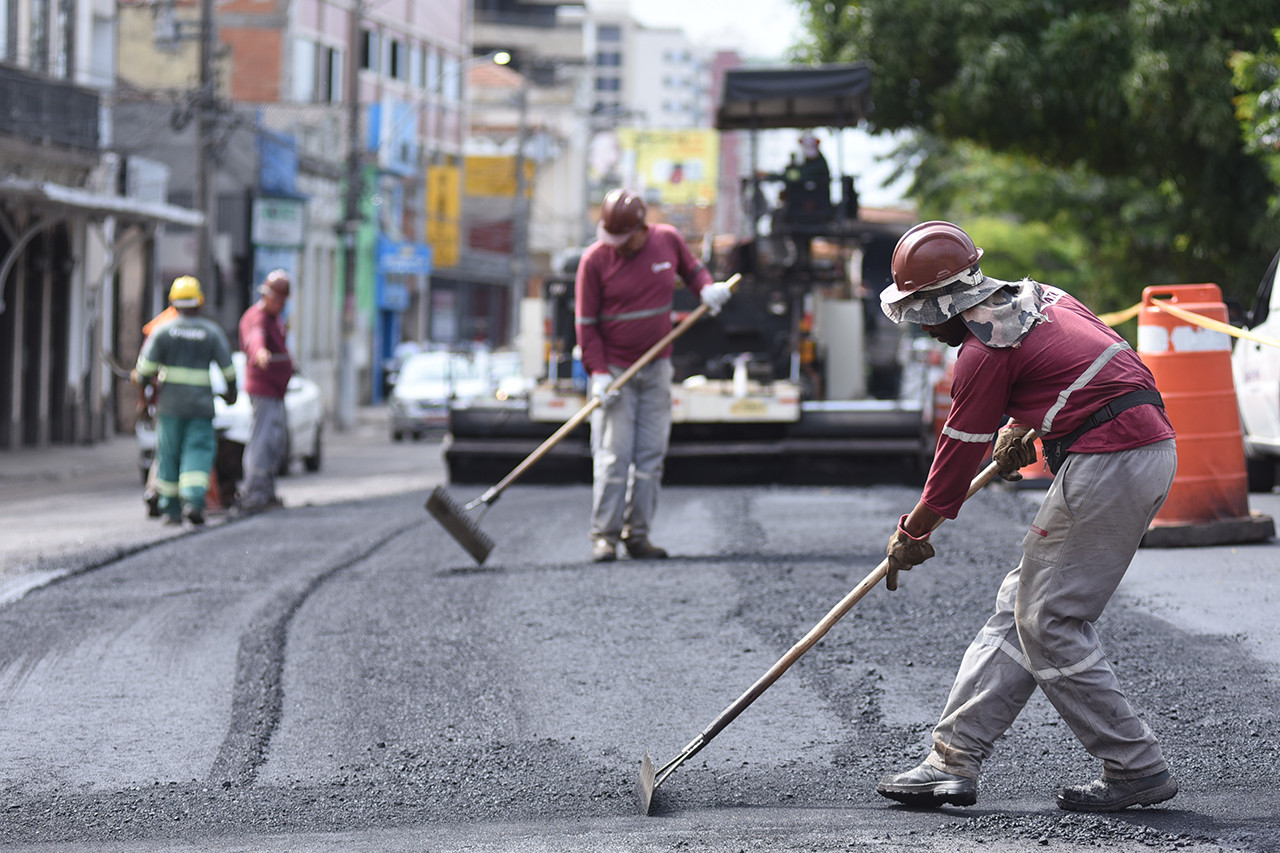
44	111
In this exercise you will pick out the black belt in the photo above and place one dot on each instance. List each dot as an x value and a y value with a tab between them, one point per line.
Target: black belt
1055	450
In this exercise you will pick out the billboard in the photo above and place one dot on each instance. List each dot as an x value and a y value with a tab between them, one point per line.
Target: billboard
675	167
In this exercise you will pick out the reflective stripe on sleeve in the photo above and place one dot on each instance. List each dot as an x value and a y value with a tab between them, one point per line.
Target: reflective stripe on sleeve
971	437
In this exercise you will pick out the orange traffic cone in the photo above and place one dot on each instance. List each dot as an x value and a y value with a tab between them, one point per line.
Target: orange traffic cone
1209	501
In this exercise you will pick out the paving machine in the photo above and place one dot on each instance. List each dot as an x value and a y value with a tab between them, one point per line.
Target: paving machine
800	378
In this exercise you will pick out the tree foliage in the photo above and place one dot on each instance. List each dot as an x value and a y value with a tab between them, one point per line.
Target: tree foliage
1114	121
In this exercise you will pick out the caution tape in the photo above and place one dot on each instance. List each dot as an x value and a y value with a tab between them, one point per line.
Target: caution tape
1213	325
1115	318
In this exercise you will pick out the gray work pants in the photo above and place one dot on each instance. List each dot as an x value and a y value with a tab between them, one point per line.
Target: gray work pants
264	452
629	440
1042	635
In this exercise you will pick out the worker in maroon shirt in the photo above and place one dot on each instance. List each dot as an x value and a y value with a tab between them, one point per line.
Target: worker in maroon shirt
268	367
1036	355
624	290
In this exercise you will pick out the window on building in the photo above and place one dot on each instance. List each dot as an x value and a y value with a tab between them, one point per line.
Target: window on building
40	24
8	31
431	77
369	51
397	60
451	79
608	84
303	86
63	59
608	59
317	73
415	66
609	32
331	71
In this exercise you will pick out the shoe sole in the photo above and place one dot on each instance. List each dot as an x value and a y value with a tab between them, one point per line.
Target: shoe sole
930	797
1143	798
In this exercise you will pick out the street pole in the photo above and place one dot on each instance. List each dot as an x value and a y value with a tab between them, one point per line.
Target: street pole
520	251
206	186
350	229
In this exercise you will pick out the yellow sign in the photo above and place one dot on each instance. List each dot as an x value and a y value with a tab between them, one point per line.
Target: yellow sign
495	177
676	166
444	219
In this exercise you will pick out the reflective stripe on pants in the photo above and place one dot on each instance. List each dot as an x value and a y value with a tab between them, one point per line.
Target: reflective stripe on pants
185	449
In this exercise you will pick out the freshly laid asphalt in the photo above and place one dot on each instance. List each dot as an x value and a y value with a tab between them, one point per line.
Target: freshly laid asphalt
555	672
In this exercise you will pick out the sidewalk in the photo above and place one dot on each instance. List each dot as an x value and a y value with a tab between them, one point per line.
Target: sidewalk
63	462
69	507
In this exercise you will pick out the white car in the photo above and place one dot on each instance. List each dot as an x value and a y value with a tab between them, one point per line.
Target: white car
1255	369
304	414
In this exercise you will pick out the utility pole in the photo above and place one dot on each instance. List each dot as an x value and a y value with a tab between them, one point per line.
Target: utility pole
351	227
520	251
206	185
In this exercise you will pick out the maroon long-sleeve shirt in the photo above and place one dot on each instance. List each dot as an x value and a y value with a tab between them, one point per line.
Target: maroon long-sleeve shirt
259	330
623	305
1063	371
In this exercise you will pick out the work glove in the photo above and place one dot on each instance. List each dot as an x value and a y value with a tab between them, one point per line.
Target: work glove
1013	451
714	296
599	388
904	551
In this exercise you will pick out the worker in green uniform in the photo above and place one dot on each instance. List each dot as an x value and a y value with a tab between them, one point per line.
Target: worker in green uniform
176	356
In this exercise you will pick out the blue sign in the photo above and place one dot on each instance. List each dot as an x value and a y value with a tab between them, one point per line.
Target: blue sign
399	259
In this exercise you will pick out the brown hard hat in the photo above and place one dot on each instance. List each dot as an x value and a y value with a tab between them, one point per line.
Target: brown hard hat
621	214
276	284
929	253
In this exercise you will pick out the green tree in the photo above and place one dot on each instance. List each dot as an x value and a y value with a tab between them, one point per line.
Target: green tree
1112	120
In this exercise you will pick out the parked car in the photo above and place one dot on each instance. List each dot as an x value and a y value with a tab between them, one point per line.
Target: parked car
427	381
1255	369
304	415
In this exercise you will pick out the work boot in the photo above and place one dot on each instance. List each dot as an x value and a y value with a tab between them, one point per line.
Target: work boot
928	787
604	551
195	517
640	548
153	504
1113	795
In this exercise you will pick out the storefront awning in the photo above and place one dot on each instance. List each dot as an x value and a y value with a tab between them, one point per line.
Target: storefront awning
120	207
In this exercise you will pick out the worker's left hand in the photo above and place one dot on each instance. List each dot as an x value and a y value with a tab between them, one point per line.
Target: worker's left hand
262	358
903	552
715	295
599	388
1013	451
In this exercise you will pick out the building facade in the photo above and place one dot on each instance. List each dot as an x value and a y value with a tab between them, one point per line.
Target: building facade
79	226
327	117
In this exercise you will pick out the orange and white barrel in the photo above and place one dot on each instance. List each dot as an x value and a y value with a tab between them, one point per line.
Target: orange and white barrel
1209	501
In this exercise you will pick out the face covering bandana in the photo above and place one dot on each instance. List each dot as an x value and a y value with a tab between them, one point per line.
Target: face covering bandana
1005	317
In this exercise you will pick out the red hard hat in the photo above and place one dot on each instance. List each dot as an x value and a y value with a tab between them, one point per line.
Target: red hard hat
621	214
931	252
276	283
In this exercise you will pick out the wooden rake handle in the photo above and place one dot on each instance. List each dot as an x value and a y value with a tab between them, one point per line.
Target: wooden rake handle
834	615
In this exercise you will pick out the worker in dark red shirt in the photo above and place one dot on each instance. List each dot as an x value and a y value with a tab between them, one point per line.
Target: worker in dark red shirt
1036	355
624	290
268	367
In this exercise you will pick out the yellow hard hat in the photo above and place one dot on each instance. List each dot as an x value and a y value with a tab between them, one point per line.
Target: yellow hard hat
186	292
